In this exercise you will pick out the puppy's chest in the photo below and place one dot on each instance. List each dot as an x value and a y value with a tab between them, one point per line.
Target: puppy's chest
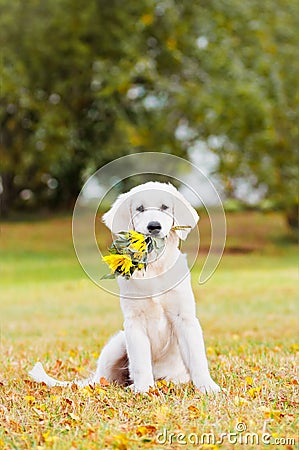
158	326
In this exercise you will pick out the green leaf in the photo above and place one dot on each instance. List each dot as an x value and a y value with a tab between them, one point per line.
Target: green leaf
108	276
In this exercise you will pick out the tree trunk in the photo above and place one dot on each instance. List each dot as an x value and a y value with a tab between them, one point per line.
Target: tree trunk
292	216
8	194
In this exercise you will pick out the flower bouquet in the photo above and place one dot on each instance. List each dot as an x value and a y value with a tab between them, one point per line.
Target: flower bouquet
129	252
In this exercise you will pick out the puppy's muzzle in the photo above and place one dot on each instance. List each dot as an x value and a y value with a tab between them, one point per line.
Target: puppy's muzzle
154	228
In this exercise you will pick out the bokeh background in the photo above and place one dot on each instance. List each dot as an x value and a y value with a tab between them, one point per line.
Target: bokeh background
86	82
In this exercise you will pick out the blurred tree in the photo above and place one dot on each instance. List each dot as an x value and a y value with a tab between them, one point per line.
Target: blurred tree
86	74
86	82
253	79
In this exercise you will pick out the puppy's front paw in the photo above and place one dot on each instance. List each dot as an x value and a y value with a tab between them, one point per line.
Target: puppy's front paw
207	386
139	389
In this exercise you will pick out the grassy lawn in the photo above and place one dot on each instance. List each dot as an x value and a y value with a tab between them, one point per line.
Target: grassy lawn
51	312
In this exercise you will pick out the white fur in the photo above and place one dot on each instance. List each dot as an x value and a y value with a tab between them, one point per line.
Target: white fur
162	337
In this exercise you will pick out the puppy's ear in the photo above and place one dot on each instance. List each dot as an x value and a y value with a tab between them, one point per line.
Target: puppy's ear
184	215
118	218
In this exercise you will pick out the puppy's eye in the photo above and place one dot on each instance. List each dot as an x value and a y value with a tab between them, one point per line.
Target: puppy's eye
164	207
140	208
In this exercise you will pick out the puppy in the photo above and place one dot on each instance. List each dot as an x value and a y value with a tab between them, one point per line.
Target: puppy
162	338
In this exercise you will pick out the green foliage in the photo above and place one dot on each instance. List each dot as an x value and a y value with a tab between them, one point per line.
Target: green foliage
84	83
256	94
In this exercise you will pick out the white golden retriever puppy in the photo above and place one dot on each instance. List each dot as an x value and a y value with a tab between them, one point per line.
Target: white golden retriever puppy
162	338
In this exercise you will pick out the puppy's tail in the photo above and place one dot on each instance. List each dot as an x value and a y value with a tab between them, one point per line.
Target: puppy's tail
38	374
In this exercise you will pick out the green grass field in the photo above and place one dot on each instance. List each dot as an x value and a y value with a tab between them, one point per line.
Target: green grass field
51	312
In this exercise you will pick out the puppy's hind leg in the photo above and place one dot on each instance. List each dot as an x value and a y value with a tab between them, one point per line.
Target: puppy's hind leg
113	363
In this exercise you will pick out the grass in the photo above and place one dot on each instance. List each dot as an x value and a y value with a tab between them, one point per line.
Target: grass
51	312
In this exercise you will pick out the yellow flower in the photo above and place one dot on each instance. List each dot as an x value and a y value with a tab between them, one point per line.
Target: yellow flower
122	263
137	241
138	255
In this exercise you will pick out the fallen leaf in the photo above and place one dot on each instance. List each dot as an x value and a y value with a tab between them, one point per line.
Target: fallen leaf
30	399
104	382
143	430
240	401
254	392
87	390
74	417
120	441
194	412
272	413
49	439
249	381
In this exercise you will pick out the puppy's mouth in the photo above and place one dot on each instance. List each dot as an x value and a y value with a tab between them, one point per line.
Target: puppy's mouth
155	233
159	234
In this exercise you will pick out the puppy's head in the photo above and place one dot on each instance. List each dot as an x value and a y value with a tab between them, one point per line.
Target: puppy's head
152	208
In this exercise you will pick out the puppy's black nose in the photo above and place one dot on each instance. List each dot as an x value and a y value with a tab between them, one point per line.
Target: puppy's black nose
154	227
